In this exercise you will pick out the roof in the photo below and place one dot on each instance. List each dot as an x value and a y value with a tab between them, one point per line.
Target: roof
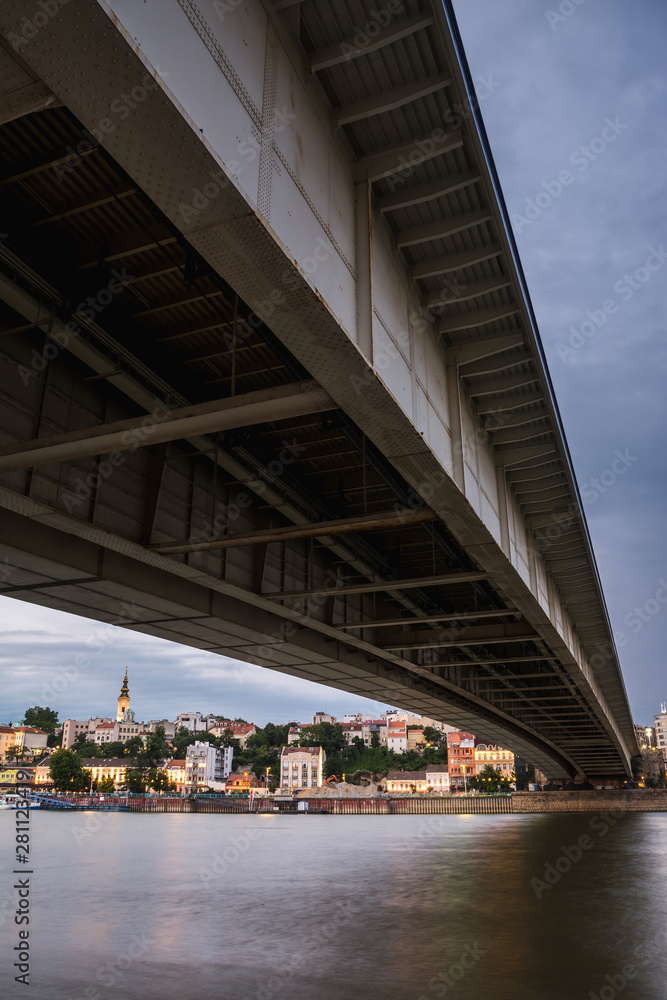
406	776
29	729
105	725
286	751
437	769
107	762
175	764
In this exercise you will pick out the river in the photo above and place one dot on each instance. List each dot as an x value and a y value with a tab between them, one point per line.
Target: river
298	907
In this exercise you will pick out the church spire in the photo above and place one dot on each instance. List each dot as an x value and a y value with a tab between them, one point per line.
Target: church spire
123	699
125	691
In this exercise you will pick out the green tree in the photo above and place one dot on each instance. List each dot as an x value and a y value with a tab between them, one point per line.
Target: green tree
116	749
490	780
155	750
67	772
158	780
14	752
133	746
330	736
41	718
135	779
86	748
434	737
375	738
106	785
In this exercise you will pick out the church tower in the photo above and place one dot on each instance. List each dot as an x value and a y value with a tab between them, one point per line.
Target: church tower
123	699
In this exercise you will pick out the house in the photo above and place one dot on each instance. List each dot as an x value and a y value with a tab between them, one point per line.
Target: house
397	737
110	767
301	767
175	771
106	732
296	731
435	779
207	766
490	753
415	738
352	731
240	730
461	758
241	782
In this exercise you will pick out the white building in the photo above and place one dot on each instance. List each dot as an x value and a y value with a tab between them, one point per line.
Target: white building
194	721
397	737
207	766
661	729
296	731
106	732
301	767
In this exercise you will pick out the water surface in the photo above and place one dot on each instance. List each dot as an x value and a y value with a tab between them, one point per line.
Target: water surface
293	907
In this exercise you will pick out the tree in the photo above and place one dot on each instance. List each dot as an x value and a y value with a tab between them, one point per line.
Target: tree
67	772
155	750
133	746
329	736
158	780
135	779
116	749
106	785
14	752
86	748
434	737
41	718
490	780
375	738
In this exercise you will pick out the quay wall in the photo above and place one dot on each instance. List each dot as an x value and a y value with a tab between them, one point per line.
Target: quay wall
630	800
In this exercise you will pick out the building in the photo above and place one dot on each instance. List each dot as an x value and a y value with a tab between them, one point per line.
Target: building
296	731
123	699
106	732
194	721
241	782
397	737
71	729
169	727
415	739
435	779
110	767
43	777
489	753
23	739
301	767
352	731
461	758
240	730
324	717
661	729
175	771
207	766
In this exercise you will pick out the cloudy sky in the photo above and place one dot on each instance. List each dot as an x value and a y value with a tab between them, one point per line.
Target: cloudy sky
576	112
582	88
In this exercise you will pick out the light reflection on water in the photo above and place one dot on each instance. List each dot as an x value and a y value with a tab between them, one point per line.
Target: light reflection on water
335	907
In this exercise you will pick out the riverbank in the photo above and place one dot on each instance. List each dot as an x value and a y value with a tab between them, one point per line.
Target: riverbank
635	800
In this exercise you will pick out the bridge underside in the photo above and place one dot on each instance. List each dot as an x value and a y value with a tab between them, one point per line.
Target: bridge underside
174	466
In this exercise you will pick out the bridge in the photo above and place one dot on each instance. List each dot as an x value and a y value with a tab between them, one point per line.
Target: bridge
272	382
